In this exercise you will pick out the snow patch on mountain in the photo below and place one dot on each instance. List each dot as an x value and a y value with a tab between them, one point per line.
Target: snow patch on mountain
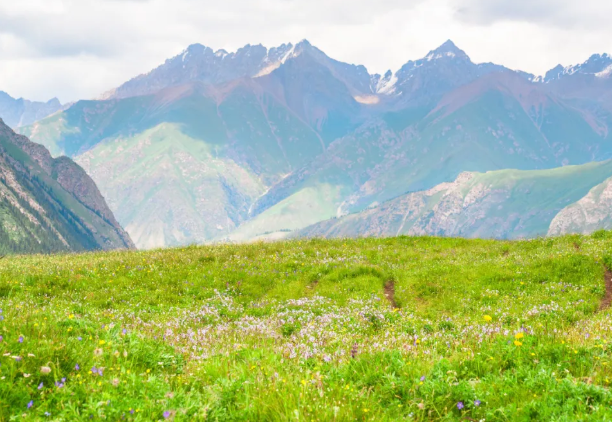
432	56
387	84
605	73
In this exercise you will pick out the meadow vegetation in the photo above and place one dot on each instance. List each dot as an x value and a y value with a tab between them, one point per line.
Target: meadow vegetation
312	330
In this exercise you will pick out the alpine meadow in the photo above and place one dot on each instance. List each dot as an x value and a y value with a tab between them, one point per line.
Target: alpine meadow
404	216
390	329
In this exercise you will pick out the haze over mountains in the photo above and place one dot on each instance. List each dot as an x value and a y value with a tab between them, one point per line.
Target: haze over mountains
20	112
214	145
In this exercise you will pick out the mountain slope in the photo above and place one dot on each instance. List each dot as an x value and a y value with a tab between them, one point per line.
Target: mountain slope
50	205
185	164
20	112
498	204
589	214
499	121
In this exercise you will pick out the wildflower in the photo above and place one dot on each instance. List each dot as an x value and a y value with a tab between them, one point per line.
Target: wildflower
423	378
26	375
124	331
45	370
101	342
460	405
166	414
518	336
47	414
1	338
30	404
94	370
98	352
77	367
488	318
517	343
354	351
20	339
115	382
476	402
79	338
40	386
70	316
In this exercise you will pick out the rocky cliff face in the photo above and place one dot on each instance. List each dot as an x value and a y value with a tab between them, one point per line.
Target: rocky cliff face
591	213
50	205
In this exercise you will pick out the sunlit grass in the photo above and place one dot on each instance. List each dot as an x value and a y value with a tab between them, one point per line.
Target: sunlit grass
302	330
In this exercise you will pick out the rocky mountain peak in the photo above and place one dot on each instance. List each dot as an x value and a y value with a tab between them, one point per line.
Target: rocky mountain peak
448	49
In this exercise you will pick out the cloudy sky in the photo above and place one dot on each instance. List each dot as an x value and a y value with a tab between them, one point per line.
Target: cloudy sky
75	49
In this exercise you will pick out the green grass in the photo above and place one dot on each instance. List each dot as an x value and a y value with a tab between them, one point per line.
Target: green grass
302	330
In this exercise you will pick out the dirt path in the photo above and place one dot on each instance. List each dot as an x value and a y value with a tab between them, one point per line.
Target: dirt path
607	299
390	293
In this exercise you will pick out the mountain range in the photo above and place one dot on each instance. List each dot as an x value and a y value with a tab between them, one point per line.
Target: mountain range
50	205
264	142
20	112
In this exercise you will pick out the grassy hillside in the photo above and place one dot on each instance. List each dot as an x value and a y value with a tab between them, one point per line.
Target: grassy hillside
378	329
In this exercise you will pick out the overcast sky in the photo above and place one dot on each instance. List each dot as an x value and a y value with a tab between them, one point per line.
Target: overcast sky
75	49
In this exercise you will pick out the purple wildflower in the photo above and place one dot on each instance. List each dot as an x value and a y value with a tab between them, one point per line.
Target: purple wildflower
166	414
1	338
423	378
79	338
100	371
131	411
77	367
20	339
40	386
30	404
94	370
460	405
476	402
124	331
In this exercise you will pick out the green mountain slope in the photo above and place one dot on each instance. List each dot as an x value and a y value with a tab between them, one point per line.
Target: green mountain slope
186	164
50	205
497	204
500	121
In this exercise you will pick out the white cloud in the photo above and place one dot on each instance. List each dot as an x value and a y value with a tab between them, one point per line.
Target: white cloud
80	48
